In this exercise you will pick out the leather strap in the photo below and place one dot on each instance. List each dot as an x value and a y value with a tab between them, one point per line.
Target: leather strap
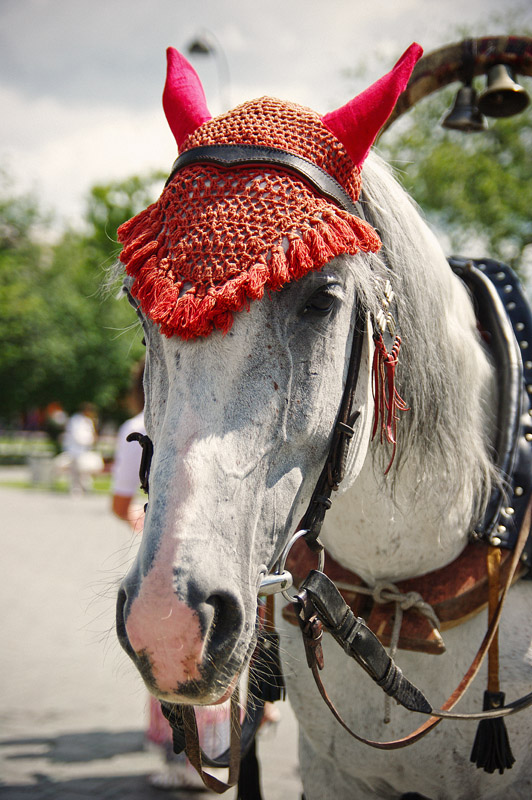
452	700
196	756
229	156
494	568
334	469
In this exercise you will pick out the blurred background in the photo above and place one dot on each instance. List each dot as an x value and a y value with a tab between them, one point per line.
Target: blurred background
83	146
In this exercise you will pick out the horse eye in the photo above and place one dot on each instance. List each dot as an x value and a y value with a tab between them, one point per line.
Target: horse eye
321	302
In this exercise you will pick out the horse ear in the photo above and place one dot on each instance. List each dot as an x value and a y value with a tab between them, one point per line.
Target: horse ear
357	123
184	100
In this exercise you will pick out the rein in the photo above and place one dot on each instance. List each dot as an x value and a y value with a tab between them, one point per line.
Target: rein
318	605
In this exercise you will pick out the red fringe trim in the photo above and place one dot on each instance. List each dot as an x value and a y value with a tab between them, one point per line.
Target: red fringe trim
147	257
388	401
320	251
279	274
298	257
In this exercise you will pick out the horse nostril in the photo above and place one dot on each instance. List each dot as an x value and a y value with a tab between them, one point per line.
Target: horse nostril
121	632
226	622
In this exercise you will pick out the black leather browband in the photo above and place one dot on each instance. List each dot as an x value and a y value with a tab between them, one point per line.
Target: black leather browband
235	155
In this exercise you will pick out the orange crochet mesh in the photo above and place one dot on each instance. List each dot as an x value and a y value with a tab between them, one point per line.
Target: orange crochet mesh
218	238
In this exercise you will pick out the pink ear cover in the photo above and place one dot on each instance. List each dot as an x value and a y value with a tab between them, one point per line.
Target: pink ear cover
184	100
358	123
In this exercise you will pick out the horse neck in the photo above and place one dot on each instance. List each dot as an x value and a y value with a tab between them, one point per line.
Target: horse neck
417	518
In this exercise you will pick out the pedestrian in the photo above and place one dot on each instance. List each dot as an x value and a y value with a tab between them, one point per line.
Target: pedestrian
127	458
79	440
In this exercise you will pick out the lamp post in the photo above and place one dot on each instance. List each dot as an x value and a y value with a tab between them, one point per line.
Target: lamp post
205	43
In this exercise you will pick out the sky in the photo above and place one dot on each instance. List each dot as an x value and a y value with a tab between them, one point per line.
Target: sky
81	80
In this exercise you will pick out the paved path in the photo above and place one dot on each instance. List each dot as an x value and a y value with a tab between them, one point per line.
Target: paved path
72	707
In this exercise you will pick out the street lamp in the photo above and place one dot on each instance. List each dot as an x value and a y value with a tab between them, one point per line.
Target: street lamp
205	43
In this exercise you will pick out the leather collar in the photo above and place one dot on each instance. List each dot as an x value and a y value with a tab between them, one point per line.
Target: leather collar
456	592
505	321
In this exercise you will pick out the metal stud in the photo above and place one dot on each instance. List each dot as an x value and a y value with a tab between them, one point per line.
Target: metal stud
509	511
510	306
528	437
495	541
500	276
508	289
501	529
518	491
520	326
523	345
528	364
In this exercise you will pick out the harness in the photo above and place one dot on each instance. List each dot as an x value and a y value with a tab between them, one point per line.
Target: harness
505	321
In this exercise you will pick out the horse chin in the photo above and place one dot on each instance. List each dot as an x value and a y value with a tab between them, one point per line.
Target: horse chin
195	693
213	686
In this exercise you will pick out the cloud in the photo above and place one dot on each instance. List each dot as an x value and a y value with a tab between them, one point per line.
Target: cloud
80	83
65	148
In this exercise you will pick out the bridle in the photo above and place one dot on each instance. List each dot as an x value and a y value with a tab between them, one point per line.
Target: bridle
318	604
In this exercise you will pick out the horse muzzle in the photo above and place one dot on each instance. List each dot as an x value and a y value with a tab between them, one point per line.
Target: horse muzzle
188	644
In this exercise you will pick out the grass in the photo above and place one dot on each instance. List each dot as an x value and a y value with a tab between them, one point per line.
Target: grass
100	485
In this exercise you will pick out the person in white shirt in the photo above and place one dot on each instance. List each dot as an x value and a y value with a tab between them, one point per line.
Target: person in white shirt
79	440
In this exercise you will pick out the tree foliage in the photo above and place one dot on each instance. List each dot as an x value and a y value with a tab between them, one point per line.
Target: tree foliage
477	187
63	338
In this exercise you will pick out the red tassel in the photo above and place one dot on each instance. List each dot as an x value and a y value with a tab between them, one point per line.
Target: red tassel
257	277
137	254
223	320
298	257
320	252
341	228
134	227
387	399
367	238
279	274
331	237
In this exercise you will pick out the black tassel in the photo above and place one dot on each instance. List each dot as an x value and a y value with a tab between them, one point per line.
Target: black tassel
491	748
249	777
270	675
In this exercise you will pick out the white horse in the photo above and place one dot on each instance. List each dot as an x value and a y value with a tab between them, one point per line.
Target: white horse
241	425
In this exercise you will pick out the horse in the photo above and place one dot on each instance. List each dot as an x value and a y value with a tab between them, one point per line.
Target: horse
243	382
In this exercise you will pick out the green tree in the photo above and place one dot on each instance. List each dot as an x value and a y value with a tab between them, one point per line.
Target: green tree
62	337
477	187
23	309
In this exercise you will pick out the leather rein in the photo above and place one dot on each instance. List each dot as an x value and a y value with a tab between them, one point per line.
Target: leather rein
318	604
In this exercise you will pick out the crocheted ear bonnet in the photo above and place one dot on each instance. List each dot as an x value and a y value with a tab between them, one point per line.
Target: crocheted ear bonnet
219	237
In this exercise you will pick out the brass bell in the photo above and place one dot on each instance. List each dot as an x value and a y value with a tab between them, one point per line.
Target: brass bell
464	115
503	97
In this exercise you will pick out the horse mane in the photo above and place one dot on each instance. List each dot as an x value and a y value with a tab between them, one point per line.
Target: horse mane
444	372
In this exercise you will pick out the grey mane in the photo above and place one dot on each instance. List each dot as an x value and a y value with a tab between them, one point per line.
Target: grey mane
443	370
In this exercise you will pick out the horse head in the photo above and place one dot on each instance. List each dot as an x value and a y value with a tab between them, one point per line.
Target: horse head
240	407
